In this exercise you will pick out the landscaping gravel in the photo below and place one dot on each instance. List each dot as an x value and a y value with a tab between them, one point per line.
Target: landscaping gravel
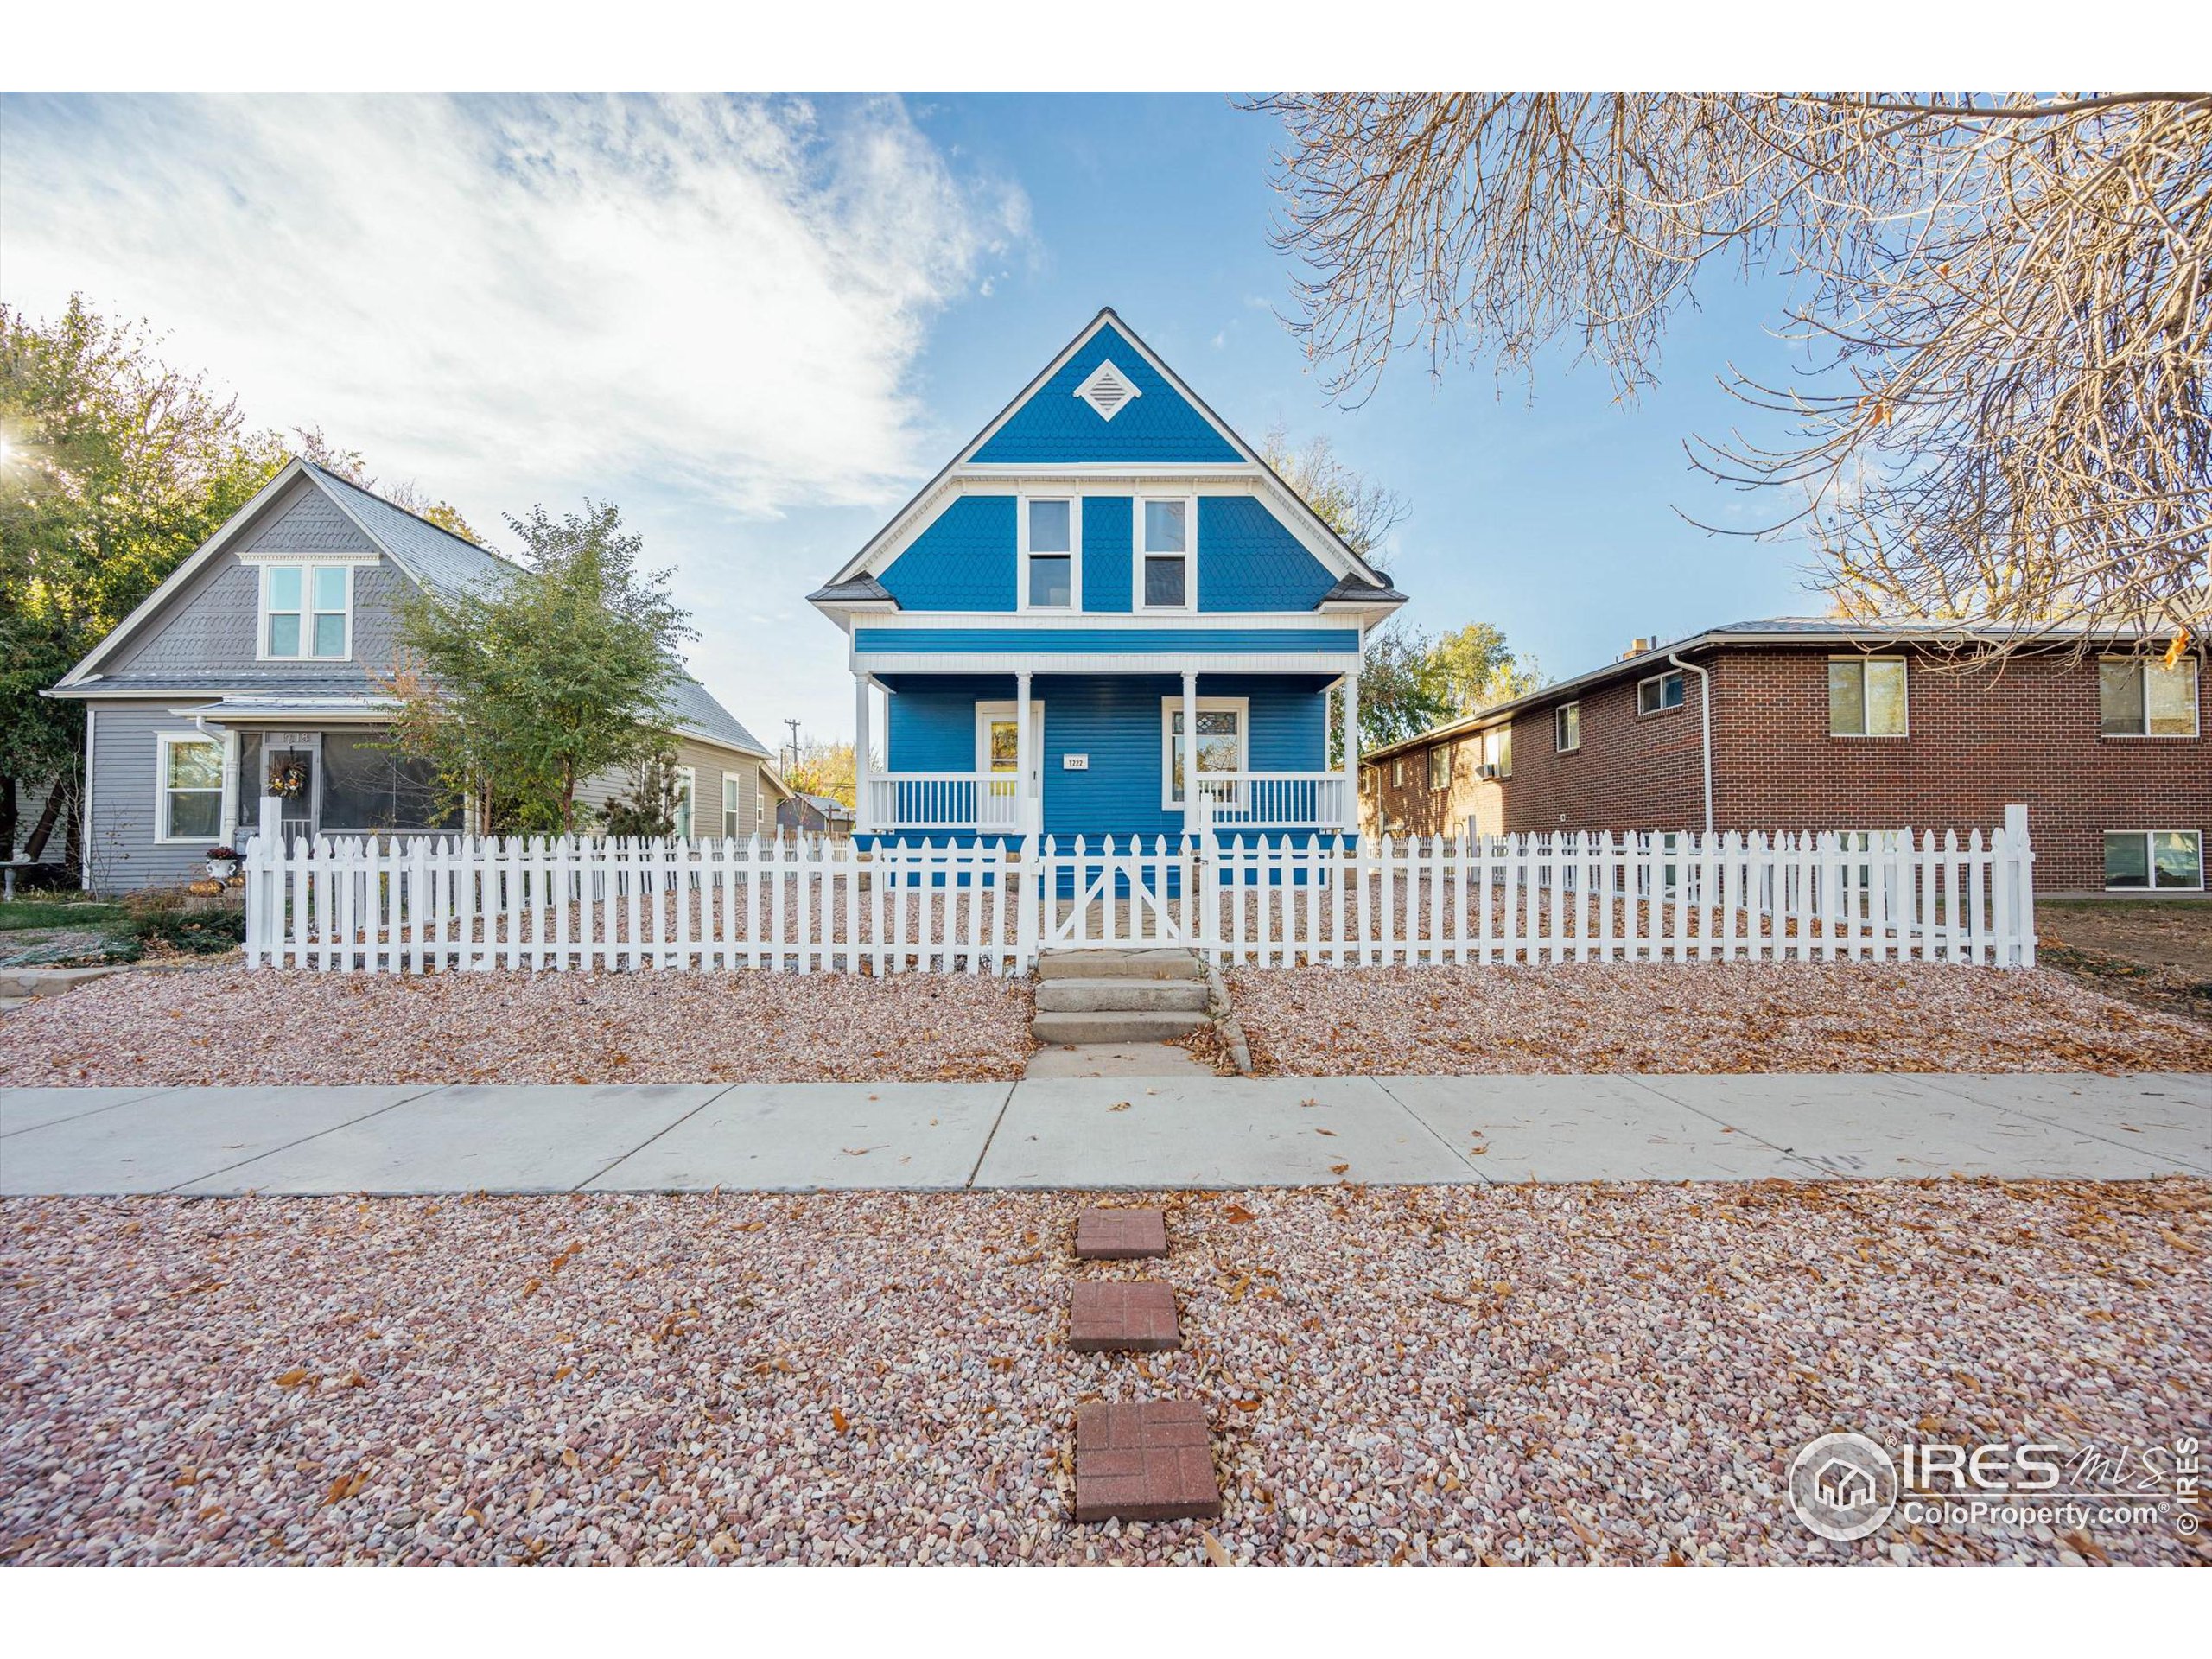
1697	1017
270	1025
1425	1374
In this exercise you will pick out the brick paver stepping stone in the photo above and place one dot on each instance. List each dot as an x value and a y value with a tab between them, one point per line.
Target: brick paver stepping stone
1120	1235
1144	1462
1104	1316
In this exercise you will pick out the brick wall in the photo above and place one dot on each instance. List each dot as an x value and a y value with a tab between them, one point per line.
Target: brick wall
1979	739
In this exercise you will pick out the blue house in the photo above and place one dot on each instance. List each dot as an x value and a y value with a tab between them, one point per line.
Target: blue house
1106	616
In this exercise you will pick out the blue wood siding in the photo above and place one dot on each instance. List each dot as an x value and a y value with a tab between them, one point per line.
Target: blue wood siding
933	719
1248	561
1049	642
1106	552
1055	425
963	562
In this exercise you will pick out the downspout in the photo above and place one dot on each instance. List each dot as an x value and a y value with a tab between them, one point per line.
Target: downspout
1704	725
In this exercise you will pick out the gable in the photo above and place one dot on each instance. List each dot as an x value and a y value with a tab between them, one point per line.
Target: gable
305	520
1053	426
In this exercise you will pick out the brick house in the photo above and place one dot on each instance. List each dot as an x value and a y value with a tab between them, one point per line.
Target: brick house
1815	724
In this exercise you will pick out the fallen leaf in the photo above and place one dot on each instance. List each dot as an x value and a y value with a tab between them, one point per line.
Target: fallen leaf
570	1457
293	1378
837	1417
1246	1405
1339	1169
857	1152
1238	1212
1215	1552
1119	1106
1331	1134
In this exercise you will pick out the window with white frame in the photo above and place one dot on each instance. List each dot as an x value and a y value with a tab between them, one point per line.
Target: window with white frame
1371	779
1660	693
307	610
687	794
1224	725
1048	553
1567	728
189	777
1440	766
1866	696
2141	696
2169	858
1498	752
1397	771
1164	537
729	806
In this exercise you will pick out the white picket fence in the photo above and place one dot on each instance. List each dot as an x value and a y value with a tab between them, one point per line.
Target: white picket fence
424	903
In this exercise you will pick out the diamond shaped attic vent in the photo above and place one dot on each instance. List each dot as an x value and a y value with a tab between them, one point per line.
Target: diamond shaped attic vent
1108	391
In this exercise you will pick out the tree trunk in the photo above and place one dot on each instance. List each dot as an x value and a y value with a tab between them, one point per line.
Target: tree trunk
44	826
8	817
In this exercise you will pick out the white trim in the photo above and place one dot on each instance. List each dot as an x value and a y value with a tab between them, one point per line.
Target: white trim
164	742
1904	665
2150	859
1022	554
1089	393
1173	705
84	810
1139	554
318	555
308	565
2143	664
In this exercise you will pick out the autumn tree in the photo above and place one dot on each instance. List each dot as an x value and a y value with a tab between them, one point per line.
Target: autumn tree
822	768
2004	301
519	689
114	468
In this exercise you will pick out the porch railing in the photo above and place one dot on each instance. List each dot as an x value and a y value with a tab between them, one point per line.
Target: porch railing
1275	800
943	800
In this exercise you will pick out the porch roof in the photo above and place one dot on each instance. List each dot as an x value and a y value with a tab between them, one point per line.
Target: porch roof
1137	648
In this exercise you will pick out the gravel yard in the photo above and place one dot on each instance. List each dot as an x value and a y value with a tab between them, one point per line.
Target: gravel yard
282	1026
1440	1373
1698	1017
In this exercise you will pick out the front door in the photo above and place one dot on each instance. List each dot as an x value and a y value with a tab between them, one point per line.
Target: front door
291	769
997	753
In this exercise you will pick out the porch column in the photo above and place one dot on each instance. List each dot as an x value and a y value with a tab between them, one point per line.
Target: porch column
1023	812
1352	751
860	709
1191	808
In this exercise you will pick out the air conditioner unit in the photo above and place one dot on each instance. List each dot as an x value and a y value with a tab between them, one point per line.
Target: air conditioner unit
1488	769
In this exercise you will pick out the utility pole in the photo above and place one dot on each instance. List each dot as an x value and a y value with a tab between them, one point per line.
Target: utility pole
793	724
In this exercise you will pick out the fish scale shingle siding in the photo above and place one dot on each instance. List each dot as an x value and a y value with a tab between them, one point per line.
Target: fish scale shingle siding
1108	522
1055	426
210	628
1248	561
963	562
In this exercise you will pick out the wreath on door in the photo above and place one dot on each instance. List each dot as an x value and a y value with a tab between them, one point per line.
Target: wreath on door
288	779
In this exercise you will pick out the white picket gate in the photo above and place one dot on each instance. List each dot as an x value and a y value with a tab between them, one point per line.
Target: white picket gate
424	903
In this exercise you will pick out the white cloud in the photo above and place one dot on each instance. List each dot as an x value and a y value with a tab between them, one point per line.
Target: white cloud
522	299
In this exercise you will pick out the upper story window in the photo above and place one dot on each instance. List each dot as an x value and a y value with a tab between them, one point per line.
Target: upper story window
1048	553
1866	696
1164	553
1660	693
2140	696
1440	766
1567	728
307	610
1498	752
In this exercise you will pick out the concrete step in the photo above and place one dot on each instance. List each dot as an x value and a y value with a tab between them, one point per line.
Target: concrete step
1119	964
1120	995
1156	1025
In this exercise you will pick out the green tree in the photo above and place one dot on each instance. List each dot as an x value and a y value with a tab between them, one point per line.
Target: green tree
1474	668
114	468
519	688
824	769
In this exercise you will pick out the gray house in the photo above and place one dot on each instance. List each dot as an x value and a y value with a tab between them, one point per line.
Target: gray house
254	670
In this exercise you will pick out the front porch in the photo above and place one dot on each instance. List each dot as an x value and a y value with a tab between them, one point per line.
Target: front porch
1097	755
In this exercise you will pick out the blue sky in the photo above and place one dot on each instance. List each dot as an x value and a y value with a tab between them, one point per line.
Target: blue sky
758	325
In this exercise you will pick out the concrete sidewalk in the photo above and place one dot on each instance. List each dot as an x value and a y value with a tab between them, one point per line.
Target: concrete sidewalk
1101	1132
